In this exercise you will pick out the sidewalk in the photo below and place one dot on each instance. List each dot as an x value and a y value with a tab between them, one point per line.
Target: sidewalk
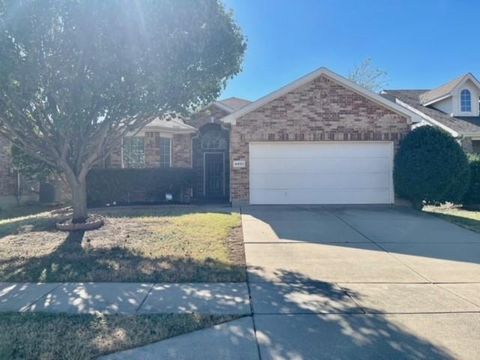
234	340
126	298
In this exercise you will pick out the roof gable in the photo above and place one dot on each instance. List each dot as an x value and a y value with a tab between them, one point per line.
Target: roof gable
231	118
446	90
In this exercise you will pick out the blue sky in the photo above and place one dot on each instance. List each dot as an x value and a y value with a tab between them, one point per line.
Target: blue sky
420	43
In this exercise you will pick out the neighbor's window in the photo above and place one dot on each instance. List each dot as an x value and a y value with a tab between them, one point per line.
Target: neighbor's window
165	151
134	152
465	101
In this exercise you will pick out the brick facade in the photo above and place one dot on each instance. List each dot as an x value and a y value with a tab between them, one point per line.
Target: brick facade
321	110
114	160
182	150
152	149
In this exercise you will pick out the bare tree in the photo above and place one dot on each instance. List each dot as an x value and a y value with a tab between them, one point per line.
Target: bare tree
369	76
76	76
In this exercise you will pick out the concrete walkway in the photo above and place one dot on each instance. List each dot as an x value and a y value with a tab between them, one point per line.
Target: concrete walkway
234	340
126	298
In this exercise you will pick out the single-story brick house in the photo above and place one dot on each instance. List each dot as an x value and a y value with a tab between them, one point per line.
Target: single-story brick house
452	107
320	140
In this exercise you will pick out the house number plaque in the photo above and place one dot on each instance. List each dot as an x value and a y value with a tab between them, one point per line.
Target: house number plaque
238	164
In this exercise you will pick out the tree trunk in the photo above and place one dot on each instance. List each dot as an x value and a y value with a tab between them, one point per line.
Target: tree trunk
79	199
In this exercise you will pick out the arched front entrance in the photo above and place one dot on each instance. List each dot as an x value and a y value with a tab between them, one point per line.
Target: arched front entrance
211	163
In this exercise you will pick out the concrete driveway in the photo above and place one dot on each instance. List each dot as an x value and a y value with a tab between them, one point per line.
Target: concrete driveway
361	282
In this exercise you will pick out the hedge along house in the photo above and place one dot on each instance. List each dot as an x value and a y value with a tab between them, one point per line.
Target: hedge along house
319	140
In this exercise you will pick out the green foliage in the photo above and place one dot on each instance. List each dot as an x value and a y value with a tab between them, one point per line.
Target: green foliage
30	166
472	196
77	76
126	186
431	168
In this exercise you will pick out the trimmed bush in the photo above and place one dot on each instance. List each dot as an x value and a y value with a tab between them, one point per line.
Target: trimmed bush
431	168
472	196
136	186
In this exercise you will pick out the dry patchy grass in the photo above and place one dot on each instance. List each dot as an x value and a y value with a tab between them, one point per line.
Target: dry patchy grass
169	244
75	337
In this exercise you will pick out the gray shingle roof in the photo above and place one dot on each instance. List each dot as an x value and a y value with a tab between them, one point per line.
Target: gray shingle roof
171	124
412	98
234	103
441	91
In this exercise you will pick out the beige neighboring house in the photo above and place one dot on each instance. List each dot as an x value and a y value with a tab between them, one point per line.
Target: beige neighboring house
453	107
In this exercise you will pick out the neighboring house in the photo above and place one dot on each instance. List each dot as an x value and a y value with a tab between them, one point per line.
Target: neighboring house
319	140
453	107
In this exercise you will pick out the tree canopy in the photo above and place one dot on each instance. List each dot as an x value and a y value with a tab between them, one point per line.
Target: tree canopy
77	75
369	76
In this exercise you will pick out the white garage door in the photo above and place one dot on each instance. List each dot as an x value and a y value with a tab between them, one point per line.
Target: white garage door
321	173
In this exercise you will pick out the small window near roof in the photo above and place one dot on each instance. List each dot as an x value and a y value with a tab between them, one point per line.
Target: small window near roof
465	101
165	152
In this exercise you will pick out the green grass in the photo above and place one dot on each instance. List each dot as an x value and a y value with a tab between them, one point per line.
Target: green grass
158	244
74	337
469	219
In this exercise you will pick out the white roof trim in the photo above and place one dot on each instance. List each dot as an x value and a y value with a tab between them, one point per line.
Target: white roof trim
169	130
306	79
428	118
438	99
468	76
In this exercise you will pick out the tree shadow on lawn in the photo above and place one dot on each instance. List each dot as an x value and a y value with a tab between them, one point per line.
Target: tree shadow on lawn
21	225
113	256
72	262
321	320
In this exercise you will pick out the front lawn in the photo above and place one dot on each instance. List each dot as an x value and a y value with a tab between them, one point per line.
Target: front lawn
469	219
60	336
151	244
25	210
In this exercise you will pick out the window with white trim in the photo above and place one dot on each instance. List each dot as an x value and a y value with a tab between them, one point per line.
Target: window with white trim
165	152
465	101
134	152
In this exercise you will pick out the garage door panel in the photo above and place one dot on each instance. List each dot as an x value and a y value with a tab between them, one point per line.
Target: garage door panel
321	173
308	196
337	149
321	181
261	165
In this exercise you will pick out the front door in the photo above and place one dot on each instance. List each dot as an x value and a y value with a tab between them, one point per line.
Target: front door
214	175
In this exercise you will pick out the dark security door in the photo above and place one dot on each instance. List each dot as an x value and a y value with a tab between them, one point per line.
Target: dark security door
214	175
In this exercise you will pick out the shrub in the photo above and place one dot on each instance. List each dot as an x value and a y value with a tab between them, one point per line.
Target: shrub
130	186
472	196
431	168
